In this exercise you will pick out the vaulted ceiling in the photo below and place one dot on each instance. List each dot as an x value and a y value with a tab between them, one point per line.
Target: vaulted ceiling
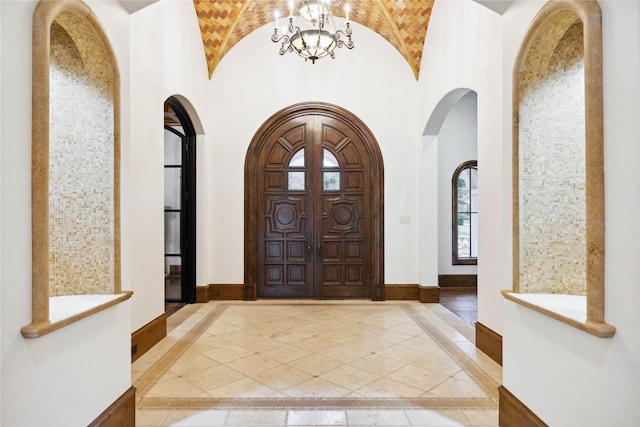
403	23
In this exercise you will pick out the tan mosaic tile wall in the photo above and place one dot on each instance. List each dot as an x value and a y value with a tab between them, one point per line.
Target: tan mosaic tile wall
552	162
81	162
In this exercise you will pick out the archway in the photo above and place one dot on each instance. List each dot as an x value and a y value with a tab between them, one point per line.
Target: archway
179	203
314	206
450	141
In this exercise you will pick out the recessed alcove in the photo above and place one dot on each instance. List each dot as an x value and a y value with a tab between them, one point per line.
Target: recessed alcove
558	173
75	168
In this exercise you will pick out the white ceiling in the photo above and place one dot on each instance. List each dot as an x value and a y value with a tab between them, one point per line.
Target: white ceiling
498	6
132	6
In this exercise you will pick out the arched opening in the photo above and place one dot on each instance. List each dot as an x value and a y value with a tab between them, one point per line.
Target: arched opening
314	207
75	168
451	142
558	173
179	204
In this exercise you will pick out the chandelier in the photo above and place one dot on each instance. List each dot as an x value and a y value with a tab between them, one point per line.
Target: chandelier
318	36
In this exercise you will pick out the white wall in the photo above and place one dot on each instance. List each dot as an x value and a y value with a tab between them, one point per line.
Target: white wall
1	266
252	82
568	377
462	50
457	143
45	380
167	58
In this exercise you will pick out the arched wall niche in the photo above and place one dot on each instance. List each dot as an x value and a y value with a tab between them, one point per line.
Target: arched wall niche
558	173
75	168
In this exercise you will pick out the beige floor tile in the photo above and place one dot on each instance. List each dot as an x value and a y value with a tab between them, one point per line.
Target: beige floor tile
315	364
175	387
370	344
409	328
292	336
350	377
151	418
402	353
316	387
228	353
418	377
392	336
316	418
387	417
243	388
436	418
256	418
438	361
338	335
345	353
196	418
378	363
482	418
286	353
454	387
316	344
423	343
252	364
208	343
386	387
192	361
213	377
282	377
310	349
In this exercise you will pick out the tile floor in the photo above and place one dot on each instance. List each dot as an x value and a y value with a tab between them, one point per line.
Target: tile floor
316	363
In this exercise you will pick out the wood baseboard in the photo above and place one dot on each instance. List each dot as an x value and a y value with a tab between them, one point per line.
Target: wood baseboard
219	292
489	342
121	413
412	292
391	292
514	413
148	336
458	280
401	292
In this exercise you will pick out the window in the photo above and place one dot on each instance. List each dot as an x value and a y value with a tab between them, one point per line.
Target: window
330	178
465	213
296	175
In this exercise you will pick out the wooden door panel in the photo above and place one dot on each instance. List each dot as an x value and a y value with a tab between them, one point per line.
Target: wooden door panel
284	269
344	269
314	239
314	228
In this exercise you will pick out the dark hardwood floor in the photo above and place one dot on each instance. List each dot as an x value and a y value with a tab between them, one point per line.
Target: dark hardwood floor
461	301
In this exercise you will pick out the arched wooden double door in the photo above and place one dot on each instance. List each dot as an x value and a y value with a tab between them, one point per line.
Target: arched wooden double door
315	203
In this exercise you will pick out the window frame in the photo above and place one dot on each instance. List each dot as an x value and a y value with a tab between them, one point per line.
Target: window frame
455	258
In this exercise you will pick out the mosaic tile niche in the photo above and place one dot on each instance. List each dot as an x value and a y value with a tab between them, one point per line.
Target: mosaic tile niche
81	160
552	221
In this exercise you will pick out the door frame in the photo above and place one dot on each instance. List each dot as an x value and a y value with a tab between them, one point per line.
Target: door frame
188	202
251	190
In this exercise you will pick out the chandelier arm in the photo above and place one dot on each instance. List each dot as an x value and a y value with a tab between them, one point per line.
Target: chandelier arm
344	43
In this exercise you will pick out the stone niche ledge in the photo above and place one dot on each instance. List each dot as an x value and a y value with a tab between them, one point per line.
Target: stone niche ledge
569	309
68	309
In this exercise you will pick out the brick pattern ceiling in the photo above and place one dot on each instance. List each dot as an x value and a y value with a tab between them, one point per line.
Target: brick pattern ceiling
403	23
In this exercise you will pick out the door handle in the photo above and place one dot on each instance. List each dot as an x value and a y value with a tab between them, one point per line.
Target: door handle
319	245
308	258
